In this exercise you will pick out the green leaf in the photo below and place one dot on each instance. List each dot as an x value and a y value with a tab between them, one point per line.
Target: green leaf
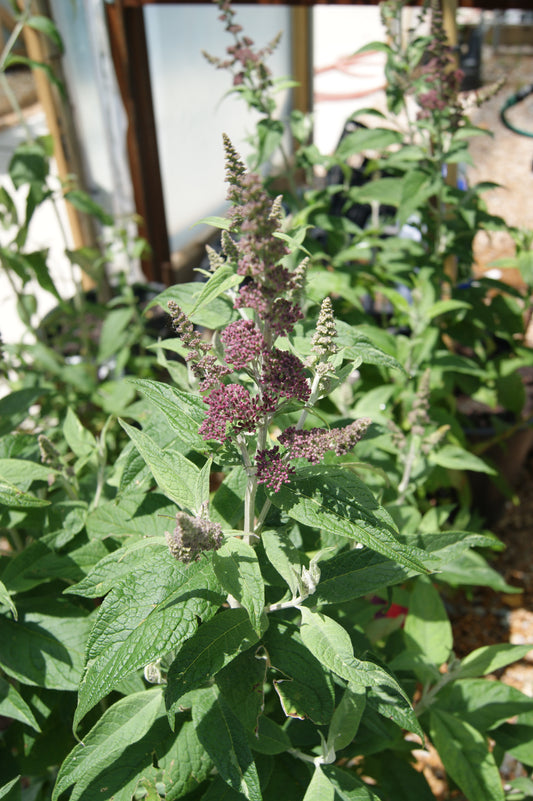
269	738
203	486
472	569
237	568
113	750
286	559
346	718
45	647
490	658
144	619
427	626
355	573
84	203
270	134
335	500
46	26
444	306
224	738
15	498
29	165
79	439
222	279
455	458
216	222
116	568
227	504
185	765
175	475
330	643
319	788
114	333
367	139
217	315
303	685
465	755
382	190
216	643
14	407
348	787
137	513
184	411
484	704
361	349
6	790
12	705
6	600
242	685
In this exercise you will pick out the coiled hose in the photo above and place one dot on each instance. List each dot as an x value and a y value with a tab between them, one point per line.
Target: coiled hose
512	101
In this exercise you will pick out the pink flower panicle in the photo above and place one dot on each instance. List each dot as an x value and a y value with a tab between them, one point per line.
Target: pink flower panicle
231	411
441	79
284	375
243	342
312	444
256	218
271	469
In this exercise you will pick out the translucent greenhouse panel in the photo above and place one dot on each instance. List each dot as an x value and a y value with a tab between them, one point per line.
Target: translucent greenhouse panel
344	82
191	111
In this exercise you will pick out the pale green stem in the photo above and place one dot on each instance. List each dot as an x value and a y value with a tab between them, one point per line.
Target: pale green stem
408	469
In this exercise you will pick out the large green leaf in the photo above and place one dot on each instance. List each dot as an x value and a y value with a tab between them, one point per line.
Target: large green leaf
144	619
303	685
12	705
466	757
319	788
367	139
330	643
427	626
224	738
45	646
455	458
15	498
355	573
184	411
346	719
114	753
175	475
489	658
223	278
135	514
237	568
483	704
185	764
216	643
284	557
348	786
242	683
217	315
116	568
335	500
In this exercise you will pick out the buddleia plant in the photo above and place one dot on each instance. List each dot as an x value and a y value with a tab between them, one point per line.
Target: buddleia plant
239	651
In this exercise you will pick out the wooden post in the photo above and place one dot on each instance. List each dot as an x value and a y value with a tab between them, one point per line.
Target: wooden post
60	123
302	95
130	58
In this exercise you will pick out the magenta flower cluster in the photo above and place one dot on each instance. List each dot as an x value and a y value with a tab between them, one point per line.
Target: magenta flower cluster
245	63
441	80
273	466
274	376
